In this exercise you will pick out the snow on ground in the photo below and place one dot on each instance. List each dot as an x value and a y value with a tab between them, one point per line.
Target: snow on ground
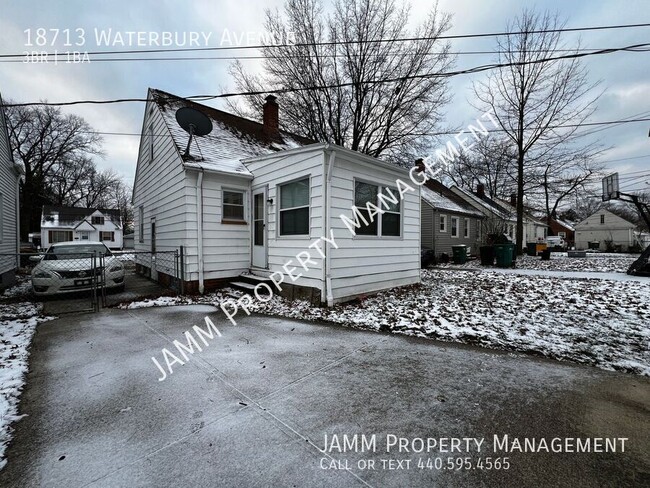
17	324
22	289
599	322
594	262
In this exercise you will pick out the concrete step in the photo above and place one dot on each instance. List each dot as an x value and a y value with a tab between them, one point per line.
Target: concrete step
255	278
248	287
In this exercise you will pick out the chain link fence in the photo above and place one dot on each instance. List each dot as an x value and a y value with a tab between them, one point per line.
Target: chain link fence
85	281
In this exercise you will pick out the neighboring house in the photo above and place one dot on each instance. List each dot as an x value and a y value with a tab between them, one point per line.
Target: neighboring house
250	197
606	231
447	220
535	229
561	228
501	216
10	174
63	224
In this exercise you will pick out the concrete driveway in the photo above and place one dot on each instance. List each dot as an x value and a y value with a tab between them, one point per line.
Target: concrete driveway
252	409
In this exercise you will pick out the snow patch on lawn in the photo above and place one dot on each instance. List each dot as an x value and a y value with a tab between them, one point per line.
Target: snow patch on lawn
23	288
17	324
602	323
601	263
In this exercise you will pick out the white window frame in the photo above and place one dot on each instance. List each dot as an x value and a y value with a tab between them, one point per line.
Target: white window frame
381	189
466	230
243	205
451	227
442	219
562	234
280	209
110	232
602	219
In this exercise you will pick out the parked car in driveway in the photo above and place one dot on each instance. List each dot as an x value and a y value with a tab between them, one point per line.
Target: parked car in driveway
75	266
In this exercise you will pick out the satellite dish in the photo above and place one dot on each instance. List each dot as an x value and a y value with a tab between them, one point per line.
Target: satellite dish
194	122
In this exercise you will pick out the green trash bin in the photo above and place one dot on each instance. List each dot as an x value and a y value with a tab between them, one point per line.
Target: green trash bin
503	254
514	253
459	253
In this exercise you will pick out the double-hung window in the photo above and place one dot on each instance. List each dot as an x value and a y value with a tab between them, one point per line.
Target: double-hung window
454	226
387	200
294	208
443	223
233	205
466	231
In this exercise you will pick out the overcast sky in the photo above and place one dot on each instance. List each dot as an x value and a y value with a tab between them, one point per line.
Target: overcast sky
624	76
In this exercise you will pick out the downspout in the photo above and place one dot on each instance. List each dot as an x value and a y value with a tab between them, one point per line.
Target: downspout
328	205
199	227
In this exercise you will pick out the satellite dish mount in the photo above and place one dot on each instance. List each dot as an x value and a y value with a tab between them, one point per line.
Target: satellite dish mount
194	122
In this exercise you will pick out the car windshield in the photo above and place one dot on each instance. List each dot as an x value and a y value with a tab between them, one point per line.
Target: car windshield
76	252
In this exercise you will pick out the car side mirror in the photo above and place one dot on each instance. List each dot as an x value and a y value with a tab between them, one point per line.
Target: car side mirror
36	259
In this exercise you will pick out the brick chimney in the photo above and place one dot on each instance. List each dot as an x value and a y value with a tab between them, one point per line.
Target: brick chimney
513	199
271	125
480	190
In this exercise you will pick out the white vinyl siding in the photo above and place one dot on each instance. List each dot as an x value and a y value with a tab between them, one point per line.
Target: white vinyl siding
617	231
364	265
8	210
226	246
274	172
160	190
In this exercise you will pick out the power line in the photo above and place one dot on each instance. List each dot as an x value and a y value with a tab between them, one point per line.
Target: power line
446	133
449	74
62	57
369	41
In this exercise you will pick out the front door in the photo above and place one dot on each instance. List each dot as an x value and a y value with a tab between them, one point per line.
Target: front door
259	228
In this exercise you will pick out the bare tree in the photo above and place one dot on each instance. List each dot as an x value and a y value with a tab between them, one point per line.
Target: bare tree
531	96
490	162
373	94
49	145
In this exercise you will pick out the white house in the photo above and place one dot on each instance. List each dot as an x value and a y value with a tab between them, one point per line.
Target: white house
502	215
10	174
605	231
250	197
63	224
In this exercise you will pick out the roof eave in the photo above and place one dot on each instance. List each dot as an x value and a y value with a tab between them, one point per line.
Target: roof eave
198	167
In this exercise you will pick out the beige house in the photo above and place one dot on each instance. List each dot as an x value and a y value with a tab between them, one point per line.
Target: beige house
605	231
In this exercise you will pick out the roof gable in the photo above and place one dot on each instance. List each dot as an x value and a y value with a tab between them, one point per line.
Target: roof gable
232	139
609	213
